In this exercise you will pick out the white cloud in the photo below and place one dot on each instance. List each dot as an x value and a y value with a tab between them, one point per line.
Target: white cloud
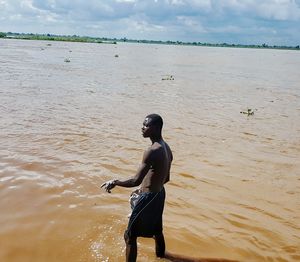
191	23
226	29
184	20
268	9
279	10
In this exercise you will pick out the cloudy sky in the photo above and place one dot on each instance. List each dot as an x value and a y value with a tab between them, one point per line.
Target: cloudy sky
275	22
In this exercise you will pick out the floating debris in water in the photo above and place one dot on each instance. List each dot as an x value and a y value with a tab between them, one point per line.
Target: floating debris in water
168	77
67	60
249	112
49	44
70	51
116	55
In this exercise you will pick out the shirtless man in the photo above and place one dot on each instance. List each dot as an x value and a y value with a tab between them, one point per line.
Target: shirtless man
154	172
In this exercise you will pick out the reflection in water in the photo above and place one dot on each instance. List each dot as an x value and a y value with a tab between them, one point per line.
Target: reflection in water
68	127
180	258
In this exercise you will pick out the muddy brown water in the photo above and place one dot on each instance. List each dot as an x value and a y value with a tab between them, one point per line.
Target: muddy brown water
68	127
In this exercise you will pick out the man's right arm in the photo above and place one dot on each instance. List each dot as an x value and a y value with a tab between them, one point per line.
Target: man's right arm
137	179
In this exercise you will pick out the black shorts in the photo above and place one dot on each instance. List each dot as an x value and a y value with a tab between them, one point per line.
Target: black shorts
146	217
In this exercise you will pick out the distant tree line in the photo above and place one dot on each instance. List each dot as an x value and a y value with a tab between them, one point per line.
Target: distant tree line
50	37
87	39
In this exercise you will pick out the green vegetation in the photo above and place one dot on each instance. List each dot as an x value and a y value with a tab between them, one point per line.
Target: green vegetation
49	37
249	112
263	46
104	40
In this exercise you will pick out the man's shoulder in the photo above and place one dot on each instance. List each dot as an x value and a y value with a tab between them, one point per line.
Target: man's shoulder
149	151
155	147
152	150
149	155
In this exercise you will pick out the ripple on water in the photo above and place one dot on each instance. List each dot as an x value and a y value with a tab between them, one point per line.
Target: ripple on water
67	128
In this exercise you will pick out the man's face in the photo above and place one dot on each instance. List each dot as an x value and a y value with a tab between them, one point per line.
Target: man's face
147	128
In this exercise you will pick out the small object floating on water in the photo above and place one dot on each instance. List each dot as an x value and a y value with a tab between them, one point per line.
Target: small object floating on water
249	112
67	60
49	44
168	77
116	55
70	51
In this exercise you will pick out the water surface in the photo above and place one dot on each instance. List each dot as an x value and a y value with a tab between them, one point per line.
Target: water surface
65	128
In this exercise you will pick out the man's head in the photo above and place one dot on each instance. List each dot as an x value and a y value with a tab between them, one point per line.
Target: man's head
152	126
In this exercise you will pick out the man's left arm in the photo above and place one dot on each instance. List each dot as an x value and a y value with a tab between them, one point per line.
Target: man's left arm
171	159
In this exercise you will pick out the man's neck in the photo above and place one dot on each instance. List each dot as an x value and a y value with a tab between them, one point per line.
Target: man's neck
156	139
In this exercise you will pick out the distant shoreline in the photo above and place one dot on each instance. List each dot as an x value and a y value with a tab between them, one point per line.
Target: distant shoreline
104	40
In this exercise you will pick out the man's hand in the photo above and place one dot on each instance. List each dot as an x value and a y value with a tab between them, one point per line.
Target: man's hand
109	185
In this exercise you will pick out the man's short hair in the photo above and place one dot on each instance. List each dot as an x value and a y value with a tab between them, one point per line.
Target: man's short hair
156	120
